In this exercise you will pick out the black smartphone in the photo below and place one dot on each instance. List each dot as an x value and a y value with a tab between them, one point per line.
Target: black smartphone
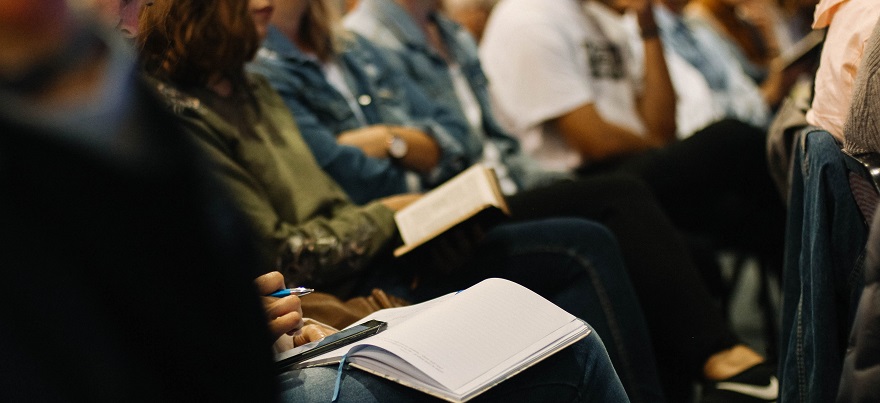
334	341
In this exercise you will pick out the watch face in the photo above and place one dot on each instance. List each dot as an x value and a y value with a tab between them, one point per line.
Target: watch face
397	148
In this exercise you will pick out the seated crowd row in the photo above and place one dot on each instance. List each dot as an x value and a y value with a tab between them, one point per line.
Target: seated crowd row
628	138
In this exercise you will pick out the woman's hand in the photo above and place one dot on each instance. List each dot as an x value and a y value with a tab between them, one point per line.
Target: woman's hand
398	202
284	315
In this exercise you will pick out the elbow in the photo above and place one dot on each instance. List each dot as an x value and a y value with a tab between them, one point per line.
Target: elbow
596	153
669	129
663	130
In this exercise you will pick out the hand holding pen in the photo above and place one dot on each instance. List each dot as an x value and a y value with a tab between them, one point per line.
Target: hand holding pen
284	313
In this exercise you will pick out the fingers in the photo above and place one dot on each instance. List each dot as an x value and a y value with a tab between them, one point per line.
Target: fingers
269	283
284	314
311	333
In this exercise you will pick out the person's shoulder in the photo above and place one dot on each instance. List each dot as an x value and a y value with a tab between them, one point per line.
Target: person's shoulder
523	18
527	10
373	30
174	98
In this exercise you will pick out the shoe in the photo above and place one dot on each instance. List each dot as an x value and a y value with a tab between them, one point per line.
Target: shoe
756	384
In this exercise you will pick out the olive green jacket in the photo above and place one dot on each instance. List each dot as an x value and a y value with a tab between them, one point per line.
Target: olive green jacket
303	218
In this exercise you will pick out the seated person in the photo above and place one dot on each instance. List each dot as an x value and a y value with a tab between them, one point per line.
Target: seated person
136	241
446	67
732	93
332	244
752	27
849	25
822	282
859	377
565	137
470	14
581	372
119	283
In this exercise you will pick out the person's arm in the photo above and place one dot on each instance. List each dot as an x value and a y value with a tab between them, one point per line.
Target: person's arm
407	105
285	315
364	177
323	249
445	126
422	155
657	101
596	139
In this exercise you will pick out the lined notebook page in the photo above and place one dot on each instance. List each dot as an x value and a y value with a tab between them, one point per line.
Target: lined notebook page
449	342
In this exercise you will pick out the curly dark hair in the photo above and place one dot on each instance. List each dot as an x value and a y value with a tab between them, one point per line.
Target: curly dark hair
192	42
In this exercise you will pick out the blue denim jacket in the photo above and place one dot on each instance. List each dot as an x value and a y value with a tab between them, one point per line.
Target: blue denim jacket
322	113
387	24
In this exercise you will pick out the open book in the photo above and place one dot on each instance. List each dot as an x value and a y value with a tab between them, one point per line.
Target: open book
471	195
460	345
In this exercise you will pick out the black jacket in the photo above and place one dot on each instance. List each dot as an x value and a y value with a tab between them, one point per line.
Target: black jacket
124	274
860	381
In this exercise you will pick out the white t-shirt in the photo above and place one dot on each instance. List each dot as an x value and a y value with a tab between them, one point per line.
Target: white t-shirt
545	58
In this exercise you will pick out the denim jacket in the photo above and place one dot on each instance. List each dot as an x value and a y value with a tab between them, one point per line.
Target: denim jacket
387	24
322	113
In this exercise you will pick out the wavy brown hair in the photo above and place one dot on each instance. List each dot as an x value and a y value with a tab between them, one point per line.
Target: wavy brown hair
192	42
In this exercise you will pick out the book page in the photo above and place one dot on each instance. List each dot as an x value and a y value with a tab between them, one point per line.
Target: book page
448	204
473	332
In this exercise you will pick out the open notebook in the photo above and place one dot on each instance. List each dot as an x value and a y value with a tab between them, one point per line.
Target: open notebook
460	345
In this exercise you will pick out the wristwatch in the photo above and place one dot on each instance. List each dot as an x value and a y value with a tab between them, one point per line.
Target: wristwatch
397	147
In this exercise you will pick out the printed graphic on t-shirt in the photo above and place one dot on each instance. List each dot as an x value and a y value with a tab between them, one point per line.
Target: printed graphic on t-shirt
606	60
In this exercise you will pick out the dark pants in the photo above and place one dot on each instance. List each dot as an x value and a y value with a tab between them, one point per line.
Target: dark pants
574	263
579	373
714	184
715	188
684	321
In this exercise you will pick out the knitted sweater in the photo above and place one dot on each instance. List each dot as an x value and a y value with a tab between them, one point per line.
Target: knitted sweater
862	129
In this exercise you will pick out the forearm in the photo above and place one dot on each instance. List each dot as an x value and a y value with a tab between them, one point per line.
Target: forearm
657	102
422	156
596	139
613	145
324	251
363	177
334	243
777	83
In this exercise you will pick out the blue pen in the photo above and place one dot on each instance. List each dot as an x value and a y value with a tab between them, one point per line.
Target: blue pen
298	291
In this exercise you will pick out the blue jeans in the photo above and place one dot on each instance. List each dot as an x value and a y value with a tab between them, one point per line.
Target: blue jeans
574	263
579	373
825	239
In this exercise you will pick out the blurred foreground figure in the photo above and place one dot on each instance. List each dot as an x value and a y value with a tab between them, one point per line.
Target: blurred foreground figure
108	231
